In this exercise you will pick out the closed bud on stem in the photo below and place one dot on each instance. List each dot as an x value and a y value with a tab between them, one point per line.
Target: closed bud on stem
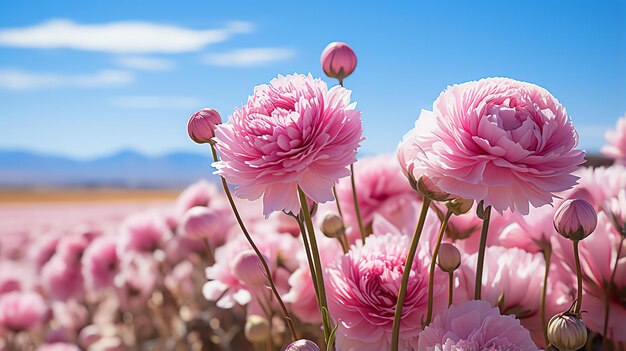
302	345
575	219
428	189
202	124
459	206
567	332
247	267
332	225
448	258
338	60
257	329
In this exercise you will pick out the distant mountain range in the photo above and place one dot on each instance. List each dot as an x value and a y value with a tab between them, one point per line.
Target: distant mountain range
126	169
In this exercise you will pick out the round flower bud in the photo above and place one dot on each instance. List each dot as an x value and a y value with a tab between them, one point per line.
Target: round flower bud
247	267
567	332
202	124
428	189
459	206
448	258
338	60
302	345
332	225
575	219
257	329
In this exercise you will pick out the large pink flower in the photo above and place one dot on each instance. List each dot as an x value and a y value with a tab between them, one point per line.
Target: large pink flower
22	311
601	183
362	288
292	133
504	142
475	325
616	139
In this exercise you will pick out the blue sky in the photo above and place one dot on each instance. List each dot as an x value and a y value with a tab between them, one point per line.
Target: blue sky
71	84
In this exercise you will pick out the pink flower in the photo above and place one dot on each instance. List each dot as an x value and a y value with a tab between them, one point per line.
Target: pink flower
100	263
513	280
70	315
21	311
202	124
338	60
139	276
615	208
532	232
616	139
15	276
211	224
200	193
292	133
382	189
62	275
602	183
475	325
362	288
44	249
143	232
497	140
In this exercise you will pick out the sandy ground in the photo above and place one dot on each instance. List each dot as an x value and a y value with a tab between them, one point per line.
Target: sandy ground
11	196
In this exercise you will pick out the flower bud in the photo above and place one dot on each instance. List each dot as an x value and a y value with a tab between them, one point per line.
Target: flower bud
200	222
202	124
428	189
247	267
459	206
257	329
575	219
338	60
302	345
567	332
332	225
448	258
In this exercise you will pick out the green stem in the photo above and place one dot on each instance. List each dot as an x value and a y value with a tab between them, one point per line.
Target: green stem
579	276
356	204
433	262
450	287
547	254
407	273
481	254
304	211
266	268
307	250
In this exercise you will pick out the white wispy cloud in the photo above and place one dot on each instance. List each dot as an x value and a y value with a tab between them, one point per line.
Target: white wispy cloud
145	63
16	79
157	102
249	57
118	37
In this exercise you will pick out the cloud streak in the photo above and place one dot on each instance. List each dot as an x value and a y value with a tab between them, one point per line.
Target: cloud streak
134	37
145	63
249	57
15	79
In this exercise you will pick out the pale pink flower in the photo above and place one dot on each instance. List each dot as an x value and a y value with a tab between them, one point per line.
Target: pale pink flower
362	288
381	189
58	346
100	263
44	249
500	141
292	133
70	315
513	280
139	276
21	311
616	148
532	232
602	183
200	193
598	255
15	276
204	223
62	275
475	325
615	208
142	232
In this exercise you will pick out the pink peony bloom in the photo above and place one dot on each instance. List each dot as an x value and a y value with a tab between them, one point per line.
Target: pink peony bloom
100	263
21	311
475	325
616	148
531	233
62	275
362	289
601	183
513	280
292	133
211	224
615	208
143	232
381	189
497	140
200	193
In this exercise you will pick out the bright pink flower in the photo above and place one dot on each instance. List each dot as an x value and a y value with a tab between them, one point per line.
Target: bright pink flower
292	133
362	288
100	263
381	189
62	275
598	256
143	232
211	224
475	325
21	311
338	60
202	124
513	280
497	140
616	139
575	219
